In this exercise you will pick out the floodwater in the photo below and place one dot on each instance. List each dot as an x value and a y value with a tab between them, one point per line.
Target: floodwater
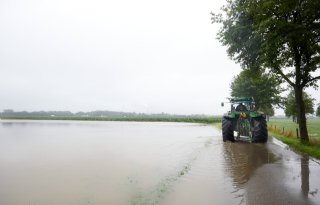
142	163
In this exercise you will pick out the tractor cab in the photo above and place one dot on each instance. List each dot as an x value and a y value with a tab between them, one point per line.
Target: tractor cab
242	104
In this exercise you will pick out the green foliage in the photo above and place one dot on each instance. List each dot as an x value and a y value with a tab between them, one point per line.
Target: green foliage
279	35
263	87
291	105
318	111
268	110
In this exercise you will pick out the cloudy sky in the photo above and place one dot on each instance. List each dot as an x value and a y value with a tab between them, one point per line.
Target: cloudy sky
140	56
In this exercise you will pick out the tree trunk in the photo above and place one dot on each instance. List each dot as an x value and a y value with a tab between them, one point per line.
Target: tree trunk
301	115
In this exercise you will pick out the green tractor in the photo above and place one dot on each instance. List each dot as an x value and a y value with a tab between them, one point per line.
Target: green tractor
245	121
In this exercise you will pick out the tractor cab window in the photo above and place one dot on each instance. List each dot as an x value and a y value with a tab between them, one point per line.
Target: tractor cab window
241	107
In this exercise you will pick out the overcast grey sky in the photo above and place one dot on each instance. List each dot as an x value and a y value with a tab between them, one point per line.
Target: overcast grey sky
123	55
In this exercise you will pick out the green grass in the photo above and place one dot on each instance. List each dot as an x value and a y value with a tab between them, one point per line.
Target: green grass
288	125
296	145
285	130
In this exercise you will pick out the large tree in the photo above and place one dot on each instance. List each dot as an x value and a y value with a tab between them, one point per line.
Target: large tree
264	88
282	36
291	105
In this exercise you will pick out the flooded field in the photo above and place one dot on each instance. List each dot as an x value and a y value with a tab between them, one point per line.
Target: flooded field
76	163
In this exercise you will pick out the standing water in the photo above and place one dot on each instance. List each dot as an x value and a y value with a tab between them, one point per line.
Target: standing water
132	163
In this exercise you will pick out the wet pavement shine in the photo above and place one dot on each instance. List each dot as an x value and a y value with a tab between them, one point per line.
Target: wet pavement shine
142	163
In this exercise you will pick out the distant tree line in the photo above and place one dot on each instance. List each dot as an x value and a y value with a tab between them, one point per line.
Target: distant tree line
101	115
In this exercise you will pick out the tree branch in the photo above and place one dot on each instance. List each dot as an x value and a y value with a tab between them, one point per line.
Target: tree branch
284	76
312	79
315	78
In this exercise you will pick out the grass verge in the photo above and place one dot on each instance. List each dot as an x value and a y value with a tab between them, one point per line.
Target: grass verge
311	150
285	130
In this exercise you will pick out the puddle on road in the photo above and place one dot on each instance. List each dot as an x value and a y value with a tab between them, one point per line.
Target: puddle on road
242	159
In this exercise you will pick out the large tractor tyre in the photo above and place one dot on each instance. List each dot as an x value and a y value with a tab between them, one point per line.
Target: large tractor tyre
260	130
227	129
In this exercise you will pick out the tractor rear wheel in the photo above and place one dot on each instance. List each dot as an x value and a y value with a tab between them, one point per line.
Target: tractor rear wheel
227	129
260	130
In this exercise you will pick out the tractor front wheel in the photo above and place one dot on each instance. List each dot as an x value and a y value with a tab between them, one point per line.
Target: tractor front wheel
227	129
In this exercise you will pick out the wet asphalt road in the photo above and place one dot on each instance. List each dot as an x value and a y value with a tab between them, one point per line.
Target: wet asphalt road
271	173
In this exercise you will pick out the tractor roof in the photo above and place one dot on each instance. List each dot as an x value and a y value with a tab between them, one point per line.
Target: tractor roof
241	99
